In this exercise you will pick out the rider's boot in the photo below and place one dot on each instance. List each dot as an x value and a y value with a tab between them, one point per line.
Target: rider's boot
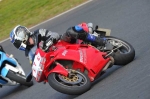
101	41
29	77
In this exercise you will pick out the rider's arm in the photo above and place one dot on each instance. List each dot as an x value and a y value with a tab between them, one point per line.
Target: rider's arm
45	34
48	38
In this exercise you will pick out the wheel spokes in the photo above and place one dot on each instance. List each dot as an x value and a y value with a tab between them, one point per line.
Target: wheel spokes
74	79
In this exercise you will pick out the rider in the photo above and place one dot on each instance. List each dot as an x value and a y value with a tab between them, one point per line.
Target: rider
28	41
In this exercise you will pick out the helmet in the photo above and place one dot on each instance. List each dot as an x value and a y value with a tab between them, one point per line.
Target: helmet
19	36
84	26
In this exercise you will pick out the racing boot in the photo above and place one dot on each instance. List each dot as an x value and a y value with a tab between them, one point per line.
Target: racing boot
29	77
101	41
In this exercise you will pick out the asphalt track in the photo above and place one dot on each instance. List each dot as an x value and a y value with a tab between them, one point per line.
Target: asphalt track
128	20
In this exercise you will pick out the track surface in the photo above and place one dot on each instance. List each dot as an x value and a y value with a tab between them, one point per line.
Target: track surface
128	20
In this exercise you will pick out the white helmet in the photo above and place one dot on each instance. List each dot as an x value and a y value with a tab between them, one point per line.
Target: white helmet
19	36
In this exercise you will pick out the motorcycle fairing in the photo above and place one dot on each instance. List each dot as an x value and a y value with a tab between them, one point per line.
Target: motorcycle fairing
5	58
84	57
4	71
37	67
59	69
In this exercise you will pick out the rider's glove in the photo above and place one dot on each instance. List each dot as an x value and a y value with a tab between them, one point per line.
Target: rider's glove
48	43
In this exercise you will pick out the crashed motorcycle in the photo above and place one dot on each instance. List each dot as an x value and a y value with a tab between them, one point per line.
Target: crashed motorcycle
11	72
71	68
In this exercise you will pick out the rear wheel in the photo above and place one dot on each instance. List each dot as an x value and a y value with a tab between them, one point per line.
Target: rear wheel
19	78
124	54
74	84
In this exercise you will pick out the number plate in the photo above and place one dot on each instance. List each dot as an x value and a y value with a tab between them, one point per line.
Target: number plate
36	67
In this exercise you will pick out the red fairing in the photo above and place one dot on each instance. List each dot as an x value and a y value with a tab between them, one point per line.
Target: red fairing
84	57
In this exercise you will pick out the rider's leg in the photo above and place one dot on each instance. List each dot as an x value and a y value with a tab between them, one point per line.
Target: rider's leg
101	41
77	32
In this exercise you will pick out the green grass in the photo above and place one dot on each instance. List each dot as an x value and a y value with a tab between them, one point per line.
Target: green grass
30	12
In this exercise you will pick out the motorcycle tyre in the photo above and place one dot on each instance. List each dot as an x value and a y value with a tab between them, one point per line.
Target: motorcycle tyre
19	79
123	58
67	89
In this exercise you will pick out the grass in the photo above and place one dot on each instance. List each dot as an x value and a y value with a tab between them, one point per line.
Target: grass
30	12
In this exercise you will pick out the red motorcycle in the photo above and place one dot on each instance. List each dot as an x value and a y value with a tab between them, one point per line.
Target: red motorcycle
70	68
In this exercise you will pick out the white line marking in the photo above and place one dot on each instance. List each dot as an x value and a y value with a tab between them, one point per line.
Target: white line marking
55	17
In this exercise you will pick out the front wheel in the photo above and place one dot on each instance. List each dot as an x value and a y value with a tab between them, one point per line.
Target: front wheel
18	78
76	83
124	54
